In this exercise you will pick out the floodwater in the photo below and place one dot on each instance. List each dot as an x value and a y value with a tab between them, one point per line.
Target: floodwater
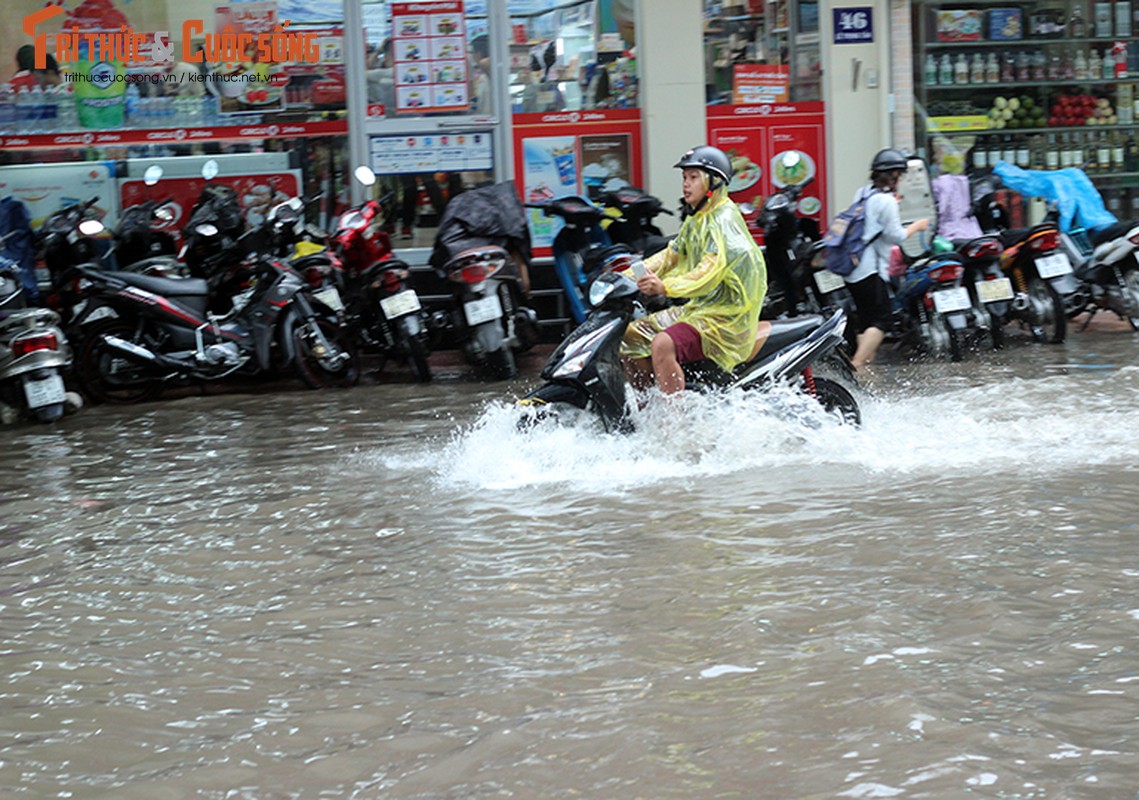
389	593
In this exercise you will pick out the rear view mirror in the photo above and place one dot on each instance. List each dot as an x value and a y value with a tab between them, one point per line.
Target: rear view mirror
365	176
210	170
91	227
152	175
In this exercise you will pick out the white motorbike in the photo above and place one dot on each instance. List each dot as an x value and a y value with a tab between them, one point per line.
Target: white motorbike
1107	262
34	353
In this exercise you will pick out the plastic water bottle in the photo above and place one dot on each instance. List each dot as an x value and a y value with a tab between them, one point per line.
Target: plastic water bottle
7	109
134	105
68	116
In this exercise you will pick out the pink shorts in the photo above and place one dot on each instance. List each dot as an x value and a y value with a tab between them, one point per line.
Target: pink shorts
689	348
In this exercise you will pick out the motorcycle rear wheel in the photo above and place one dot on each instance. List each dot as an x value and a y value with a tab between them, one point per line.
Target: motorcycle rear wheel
1131	287
1052	326
315	368
416	352
110	378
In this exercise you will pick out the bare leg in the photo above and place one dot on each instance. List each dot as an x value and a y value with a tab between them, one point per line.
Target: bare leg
669	375
868	342
640	372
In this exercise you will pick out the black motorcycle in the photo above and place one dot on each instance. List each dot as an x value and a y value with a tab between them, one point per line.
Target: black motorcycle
585	372
162	331
482	248
787	240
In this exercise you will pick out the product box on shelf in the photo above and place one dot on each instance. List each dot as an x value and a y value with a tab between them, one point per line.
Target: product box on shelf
1046	23
959	25
1006	24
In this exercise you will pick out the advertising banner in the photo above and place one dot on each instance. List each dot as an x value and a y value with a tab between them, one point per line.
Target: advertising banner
760	83
755	137
437	152
573	153
430	57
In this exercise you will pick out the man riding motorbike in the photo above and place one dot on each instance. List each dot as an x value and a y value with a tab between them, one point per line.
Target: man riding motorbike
716	265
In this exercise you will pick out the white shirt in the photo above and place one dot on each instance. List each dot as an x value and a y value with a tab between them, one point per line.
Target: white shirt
884	221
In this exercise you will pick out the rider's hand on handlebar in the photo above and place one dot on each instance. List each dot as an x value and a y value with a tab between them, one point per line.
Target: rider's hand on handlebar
649	284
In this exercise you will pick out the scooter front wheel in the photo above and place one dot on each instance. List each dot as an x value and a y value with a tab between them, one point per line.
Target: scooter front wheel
548	404
1131	289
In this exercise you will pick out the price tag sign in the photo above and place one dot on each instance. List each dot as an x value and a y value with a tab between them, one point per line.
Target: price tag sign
854	25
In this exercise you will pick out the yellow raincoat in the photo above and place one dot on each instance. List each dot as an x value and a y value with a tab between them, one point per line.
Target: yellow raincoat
716	263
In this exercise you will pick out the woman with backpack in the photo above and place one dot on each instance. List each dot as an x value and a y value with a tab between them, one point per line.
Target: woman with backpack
868	283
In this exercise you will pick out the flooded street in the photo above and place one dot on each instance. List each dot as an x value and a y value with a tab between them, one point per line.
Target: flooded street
390	593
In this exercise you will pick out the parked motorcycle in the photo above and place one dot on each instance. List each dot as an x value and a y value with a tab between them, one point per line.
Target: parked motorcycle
634	225
585	373
383	309
482	248
163	332
34	354
64	245
932	308
1108	264
787	247
989	289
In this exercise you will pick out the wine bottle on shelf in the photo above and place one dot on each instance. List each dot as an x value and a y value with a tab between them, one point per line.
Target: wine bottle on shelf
1091	163
1052	153
1022	159
977	69
1055	67
1081	66
1008	150
1065	151
994	151
1039	66
1077	28
1008	69
1118	151
1104	153
961	70
1069	72
979	158
1131	154
945	71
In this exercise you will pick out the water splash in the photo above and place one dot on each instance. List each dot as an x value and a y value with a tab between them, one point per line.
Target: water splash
1039	426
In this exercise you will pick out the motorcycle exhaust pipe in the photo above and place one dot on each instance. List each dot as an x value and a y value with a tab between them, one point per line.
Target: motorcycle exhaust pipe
1020	302
140	354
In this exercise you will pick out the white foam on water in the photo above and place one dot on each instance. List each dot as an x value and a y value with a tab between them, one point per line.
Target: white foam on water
1052	424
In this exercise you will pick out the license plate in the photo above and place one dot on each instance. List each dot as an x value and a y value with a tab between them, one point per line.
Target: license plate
955	299
994	291
828	282
330	297
44	392
399	304
1053	265
485	310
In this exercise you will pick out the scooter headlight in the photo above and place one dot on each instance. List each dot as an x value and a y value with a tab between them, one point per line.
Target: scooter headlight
573	366
599	291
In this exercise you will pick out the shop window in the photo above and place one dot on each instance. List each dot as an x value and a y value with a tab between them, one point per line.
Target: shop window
761	52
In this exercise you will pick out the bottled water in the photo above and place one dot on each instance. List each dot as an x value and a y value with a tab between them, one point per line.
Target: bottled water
7	109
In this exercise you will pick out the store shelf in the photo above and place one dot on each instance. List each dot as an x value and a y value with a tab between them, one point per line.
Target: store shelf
1004	86
997	44
1022	131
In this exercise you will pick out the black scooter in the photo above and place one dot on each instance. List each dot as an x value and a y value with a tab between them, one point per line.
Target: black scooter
585	372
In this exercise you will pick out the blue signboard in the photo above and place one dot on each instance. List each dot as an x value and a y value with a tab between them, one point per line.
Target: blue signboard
854	25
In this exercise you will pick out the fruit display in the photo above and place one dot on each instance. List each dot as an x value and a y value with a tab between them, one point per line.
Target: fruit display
1081	109
1016	112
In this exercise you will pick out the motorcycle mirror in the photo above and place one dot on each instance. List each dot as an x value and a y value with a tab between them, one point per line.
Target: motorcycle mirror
210	170
152	175
206	229
365	175
295	203
90	227
164	213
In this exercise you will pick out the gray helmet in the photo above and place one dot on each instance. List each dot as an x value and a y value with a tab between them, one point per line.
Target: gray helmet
708	158
888	160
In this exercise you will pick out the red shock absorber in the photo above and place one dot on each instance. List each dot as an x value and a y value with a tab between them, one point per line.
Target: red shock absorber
809	382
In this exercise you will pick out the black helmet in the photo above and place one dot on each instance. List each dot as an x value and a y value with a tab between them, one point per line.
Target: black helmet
888	160
708	158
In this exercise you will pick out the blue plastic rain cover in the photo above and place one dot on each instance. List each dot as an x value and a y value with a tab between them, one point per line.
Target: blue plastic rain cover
1076	197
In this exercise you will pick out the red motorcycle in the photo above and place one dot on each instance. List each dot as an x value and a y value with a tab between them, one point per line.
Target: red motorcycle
381	307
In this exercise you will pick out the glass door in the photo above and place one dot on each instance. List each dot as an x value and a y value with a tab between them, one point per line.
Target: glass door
425	115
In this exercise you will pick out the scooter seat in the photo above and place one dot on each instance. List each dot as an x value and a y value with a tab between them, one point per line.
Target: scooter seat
181	288
1111	232
786	331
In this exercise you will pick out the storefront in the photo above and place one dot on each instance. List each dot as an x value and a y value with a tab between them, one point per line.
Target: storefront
436	96
1034	84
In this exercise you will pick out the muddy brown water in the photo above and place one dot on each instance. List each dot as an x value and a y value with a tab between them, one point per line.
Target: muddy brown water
390	593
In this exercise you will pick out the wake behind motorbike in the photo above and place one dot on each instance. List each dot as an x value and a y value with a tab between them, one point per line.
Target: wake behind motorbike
585	373
34	355
163	332
482	248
